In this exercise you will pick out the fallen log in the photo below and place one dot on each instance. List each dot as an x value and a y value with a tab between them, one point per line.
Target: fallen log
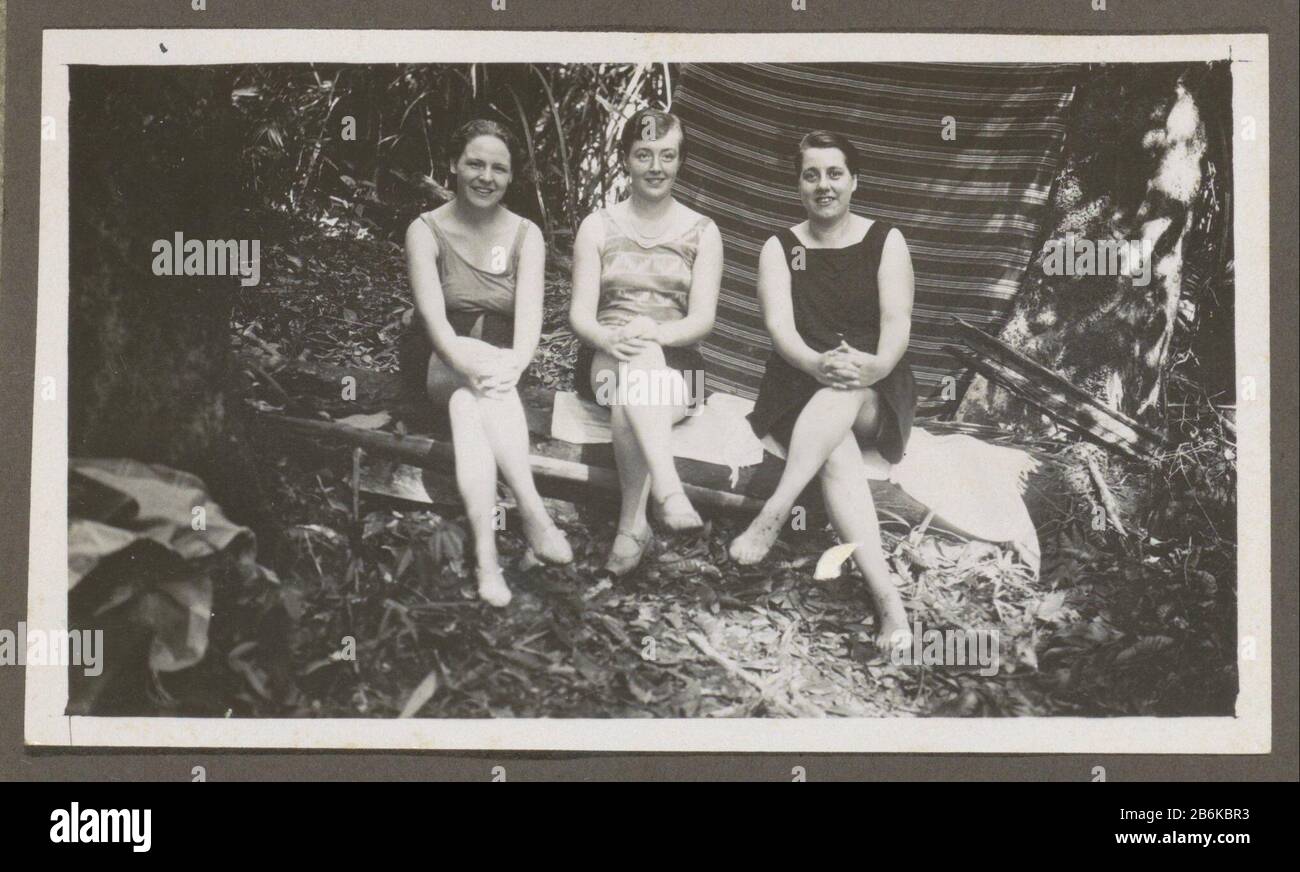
570	478
1063	401
422	451
563	469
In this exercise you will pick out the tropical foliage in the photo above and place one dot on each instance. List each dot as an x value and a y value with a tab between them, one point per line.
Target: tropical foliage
373	140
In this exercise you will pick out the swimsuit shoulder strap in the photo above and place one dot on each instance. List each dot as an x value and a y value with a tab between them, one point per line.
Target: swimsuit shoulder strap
440	238
520	235
788	241
445	246
610	230
874	241
701	224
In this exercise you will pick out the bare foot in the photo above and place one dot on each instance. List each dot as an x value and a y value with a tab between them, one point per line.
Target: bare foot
492	587
677	513
547	541
751	546
895	635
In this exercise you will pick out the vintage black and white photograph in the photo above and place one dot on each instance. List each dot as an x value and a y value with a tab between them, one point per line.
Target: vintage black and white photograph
437	390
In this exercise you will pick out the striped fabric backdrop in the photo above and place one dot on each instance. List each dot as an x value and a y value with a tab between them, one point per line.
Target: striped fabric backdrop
970	208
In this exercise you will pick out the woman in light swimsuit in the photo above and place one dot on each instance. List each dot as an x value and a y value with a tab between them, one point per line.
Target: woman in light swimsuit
476	273
646	273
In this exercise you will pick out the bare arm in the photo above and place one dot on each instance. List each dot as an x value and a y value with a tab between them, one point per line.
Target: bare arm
897	289
584	301
778	311
706	279
529	293
422	268
585	296
476	361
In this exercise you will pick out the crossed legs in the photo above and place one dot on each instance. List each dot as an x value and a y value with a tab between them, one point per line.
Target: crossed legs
824	443
490	435
642	434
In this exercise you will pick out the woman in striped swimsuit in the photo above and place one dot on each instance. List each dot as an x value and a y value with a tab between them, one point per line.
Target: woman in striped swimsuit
646	274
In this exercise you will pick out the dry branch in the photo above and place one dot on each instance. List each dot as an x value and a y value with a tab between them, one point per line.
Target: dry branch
1044	389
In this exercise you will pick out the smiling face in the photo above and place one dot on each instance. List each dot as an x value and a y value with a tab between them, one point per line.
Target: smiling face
825	184
483	171
652	163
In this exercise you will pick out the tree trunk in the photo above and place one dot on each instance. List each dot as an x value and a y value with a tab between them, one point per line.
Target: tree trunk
1138	150
152	153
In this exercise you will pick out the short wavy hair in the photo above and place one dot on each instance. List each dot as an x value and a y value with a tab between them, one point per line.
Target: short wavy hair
471	130
658	120
827	139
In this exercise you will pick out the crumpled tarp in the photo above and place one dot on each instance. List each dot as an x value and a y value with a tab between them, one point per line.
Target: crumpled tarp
119	504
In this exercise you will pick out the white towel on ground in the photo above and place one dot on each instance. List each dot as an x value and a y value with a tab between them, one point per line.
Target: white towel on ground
970	484
973	485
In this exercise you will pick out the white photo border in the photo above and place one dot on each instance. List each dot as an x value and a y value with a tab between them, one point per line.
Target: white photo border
1248	732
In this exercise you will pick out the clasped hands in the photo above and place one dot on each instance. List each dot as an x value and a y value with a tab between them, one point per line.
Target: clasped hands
491	371
846	368
631	339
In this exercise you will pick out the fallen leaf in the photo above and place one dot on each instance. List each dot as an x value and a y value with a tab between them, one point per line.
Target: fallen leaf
1051	606
828	565
366	422
421	695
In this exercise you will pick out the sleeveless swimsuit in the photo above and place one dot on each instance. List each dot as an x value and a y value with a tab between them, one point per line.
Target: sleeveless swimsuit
480	303
835	297
651	280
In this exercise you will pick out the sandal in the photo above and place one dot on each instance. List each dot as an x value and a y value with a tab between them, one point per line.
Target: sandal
680	520
621	564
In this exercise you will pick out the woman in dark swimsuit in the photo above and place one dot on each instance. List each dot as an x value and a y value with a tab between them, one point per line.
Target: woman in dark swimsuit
836	293
476	273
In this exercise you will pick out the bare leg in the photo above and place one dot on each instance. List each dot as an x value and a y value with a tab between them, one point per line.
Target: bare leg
852	512
651	419
633	532
476	479
506	430
867	425
633	474
634	481
824	422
